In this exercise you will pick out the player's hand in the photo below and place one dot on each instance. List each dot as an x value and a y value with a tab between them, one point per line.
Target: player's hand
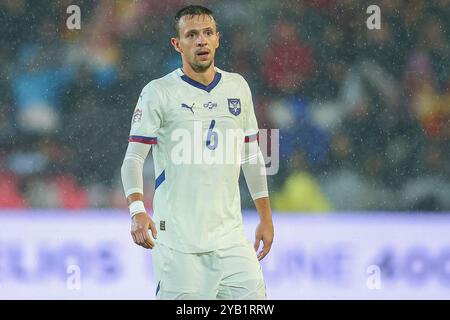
264	232
140	224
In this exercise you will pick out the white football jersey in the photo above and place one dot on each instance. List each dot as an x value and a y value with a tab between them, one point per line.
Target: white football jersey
197	134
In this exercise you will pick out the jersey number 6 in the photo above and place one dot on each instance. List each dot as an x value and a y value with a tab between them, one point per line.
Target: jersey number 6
211	134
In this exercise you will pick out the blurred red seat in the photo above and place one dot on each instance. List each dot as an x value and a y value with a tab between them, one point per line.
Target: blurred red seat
10	196
70	193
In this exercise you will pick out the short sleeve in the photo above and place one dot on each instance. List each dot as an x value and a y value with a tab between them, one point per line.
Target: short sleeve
147	116
250	123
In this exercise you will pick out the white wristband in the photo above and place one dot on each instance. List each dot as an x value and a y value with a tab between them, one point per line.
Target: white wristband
136	207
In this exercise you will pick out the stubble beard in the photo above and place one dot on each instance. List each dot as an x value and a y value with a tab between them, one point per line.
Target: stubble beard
200	68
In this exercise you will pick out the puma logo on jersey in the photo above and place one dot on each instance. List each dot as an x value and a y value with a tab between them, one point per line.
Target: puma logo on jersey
186	106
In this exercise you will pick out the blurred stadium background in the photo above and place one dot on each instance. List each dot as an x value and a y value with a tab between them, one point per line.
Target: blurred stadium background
364	119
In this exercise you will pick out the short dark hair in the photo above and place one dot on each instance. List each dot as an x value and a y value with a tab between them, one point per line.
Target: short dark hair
191	10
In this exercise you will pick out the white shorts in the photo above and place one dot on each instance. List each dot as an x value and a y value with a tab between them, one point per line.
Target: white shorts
232	273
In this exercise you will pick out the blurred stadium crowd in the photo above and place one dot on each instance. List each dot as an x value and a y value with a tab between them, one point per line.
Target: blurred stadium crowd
363	114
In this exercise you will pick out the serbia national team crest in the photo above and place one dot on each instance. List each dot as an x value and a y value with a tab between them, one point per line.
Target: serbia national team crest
234	106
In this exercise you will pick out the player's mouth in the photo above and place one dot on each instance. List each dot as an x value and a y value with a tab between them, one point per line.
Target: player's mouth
203	54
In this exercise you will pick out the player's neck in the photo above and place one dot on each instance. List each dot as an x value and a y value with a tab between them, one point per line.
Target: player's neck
204	78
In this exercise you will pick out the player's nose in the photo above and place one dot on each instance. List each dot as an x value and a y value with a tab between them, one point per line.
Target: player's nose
201	40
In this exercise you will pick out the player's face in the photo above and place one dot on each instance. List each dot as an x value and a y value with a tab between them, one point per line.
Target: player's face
198	41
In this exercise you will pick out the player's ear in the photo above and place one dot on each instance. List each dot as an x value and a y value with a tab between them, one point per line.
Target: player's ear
176	44
218	39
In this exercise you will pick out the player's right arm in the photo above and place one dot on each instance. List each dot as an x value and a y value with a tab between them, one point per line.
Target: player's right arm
132	180
146	121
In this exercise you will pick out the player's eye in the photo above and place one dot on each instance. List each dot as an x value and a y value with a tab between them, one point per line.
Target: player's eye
191	35
209	33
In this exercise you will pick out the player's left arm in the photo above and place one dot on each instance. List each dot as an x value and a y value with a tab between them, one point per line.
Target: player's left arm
264	231
253	166
254	171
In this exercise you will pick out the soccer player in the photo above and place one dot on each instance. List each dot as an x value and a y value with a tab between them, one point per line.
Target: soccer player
199	249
